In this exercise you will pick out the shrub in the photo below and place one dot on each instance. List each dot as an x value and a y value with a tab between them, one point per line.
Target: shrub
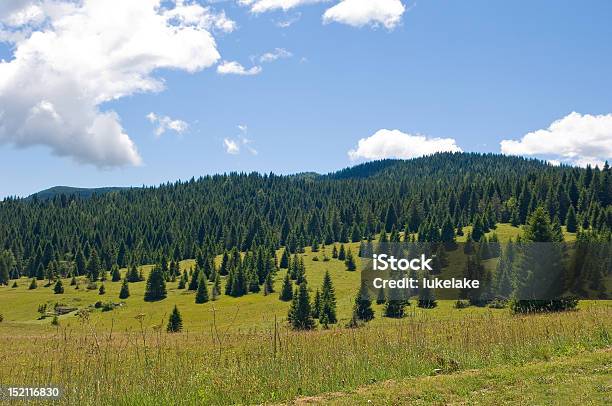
498	303
544	305
462	304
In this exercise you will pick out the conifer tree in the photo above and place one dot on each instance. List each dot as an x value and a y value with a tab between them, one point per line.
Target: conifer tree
301	272
394	308
93	267
124	293
362	310
284	262
216	289
328	299
195	277
286	293
570	221
102	290
301	312
202	292
132	274
268	285
156	286
182	284
351	266
33	284
335	252
342	253
426	297
381	298
478	230
115	274
58	289
175	322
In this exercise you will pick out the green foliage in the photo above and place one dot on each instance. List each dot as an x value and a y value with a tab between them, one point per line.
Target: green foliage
362	309
175	321
286	293
33	284
156	286
124	293
202	292
327	307
300	312
58	289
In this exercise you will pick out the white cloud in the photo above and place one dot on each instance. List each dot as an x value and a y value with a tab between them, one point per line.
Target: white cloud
278	53
396	144
87	53
288	22
261	6
231	146
358	13
165	123
235	68
575	139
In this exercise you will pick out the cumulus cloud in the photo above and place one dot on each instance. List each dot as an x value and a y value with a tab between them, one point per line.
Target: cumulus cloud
288	22
261	6
278	53
396	144
231	146
235	68
165	123
358	13
574	139
79	55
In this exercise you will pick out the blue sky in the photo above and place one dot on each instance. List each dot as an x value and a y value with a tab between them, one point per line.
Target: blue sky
473	73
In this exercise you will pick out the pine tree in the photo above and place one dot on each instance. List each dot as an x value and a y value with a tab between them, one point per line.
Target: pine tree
286	293
301	273
570	221
33	284
351	266
426	297
362	309
102	290
335	252
156	286
115	274
216	289
124	293
394	308
132	275
81	266
93	267
341	253
202	292
58	289
478	230
328	299
301	312
268	284
284	262
175	322
182	284
195	275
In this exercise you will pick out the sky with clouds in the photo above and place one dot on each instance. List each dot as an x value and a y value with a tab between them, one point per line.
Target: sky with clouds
114	92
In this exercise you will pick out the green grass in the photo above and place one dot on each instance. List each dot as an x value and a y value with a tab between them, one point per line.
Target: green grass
227	353
578	380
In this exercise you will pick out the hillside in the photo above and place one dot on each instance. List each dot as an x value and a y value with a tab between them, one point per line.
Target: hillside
82	193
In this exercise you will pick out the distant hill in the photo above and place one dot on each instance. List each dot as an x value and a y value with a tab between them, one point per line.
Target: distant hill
69	191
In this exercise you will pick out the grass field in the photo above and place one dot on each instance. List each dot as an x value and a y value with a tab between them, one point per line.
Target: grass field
240	350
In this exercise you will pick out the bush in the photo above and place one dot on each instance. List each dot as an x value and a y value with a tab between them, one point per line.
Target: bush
315	258
462	304
1	318
544	305
498	304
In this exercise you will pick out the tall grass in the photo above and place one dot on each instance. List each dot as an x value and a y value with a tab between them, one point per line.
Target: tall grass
149	366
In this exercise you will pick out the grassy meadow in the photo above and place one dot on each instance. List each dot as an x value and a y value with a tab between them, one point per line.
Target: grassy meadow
241	351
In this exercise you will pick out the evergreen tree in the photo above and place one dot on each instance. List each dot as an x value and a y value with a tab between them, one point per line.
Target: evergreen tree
132	274
381	298
182	284
216	289
284	262
268	284
426	297
33	284
80	264
58	289
570	221
328	299
335	252
478	229
202	292
341	253
115	274
362	309
286	293
394	308
93	267
175	322
301	312
124	293
351	266
156	286
102	290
